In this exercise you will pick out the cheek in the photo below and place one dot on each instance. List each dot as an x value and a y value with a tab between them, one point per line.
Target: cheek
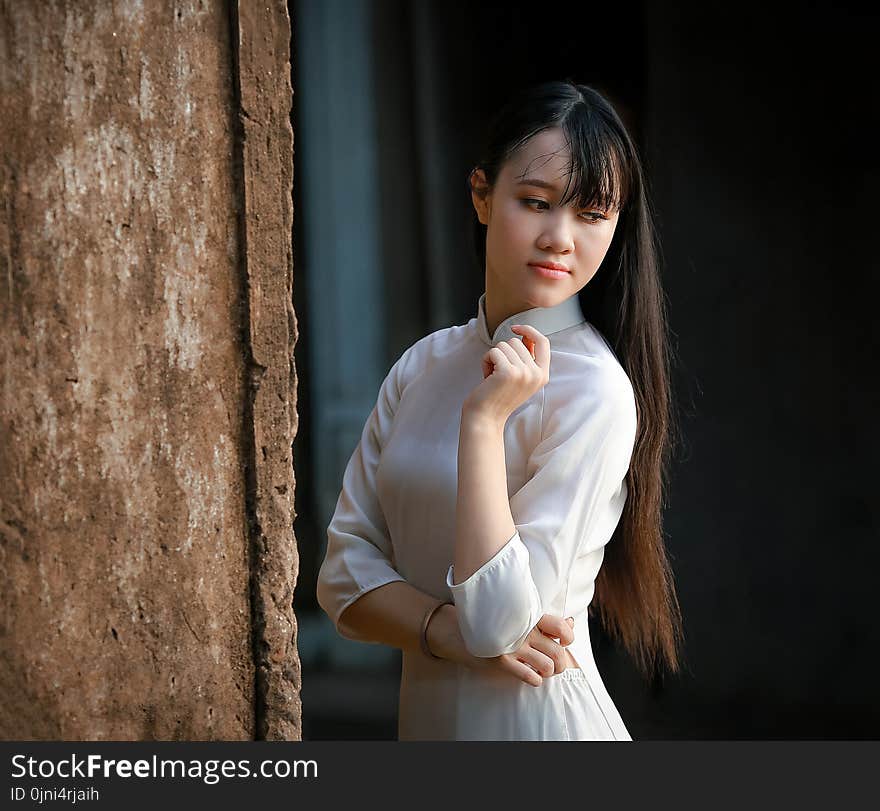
509	227
592	248
599	240
508	216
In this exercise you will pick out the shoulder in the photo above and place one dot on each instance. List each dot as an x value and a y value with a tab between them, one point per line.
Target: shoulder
423	353
587	379
581	355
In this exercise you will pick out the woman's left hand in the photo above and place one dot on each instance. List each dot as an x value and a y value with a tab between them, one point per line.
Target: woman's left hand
511	374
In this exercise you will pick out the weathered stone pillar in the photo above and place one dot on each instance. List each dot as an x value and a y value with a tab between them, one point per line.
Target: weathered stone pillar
148	402
263	103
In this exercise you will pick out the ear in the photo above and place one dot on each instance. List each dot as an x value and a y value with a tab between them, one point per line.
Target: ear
481	195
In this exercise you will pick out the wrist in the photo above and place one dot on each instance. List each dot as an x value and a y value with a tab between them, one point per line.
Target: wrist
479	419
441	632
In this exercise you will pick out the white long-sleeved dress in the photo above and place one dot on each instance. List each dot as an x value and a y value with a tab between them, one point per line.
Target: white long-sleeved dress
567	452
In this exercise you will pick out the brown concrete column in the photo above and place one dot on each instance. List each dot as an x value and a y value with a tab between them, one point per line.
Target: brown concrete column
147	409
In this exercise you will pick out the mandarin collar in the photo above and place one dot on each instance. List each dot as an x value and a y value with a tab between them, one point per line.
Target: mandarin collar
546	320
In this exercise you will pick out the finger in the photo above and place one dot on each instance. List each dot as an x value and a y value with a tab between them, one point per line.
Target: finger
493	358
521	350
515	358
542	343
524	349
552	650
529	676
522	671
542	663
568	637
557	628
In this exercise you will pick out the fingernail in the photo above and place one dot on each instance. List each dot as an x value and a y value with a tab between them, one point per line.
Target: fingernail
570	620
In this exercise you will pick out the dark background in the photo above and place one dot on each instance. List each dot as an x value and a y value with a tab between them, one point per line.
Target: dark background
758	129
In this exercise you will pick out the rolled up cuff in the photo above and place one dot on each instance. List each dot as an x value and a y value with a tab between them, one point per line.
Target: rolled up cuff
497	603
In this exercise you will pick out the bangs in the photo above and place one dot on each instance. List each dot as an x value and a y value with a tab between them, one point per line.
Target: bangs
598	173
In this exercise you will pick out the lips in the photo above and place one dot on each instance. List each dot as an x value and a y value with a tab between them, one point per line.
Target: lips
551	266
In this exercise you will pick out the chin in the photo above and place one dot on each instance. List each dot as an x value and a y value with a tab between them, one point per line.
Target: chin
543	296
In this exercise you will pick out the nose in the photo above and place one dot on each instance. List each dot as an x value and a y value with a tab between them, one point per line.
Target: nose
557	236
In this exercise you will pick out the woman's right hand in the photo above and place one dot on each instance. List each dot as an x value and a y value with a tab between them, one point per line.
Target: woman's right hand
539	657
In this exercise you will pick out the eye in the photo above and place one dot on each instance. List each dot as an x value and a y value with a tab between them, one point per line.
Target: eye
595	216
588	216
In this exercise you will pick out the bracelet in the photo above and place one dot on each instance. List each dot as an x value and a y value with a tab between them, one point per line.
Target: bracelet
423	636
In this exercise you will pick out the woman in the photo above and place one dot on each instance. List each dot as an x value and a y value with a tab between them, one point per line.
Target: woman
504	455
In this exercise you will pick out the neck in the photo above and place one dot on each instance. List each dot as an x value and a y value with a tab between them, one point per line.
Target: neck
497	309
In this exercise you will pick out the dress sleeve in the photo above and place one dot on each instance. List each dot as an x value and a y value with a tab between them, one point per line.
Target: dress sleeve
570	505
359	553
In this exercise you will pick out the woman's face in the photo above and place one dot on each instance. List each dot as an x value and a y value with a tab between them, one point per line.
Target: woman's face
527	226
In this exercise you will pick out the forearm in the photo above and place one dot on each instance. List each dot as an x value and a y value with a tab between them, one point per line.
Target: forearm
483	521
392	615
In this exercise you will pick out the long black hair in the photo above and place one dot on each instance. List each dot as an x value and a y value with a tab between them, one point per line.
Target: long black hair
635	593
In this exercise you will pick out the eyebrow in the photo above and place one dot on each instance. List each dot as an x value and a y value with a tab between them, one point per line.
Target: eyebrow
536	181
